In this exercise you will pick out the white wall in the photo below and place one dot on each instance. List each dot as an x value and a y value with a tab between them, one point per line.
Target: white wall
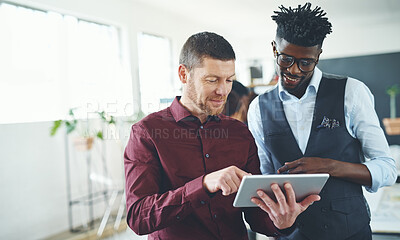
32	182
33	198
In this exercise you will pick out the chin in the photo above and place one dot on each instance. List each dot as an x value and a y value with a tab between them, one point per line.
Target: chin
214	112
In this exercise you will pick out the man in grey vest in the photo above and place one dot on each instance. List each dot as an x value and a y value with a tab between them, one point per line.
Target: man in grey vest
313	122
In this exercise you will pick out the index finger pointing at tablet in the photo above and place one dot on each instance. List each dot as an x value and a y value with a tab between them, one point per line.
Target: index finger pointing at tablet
240	173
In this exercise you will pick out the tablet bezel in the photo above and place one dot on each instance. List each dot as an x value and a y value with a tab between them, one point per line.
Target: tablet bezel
303	185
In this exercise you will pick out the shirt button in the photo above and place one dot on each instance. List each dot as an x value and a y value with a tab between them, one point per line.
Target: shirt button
177	217
215	216
324	210
202	202
207	155
201	127
326	226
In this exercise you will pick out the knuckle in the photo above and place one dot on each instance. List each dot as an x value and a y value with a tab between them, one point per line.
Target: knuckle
268	204
281	200
231	168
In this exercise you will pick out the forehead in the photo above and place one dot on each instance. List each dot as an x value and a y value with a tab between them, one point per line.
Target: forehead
215	67
297	51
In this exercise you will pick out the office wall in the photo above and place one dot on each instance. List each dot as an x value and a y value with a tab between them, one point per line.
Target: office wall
378	72
33	197
358	34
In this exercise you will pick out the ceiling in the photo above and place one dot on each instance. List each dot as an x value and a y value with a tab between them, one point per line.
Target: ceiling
252	18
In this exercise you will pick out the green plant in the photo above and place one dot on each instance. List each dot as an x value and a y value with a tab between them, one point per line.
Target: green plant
73	125
107	119
392	92
69	124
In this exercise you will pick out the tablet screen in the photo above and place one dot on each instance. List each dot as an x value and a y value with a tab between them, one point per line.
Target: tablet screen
303	185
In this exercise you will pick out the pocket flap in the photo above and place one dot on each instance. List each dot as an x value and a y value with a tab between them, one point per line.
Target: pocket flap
347	205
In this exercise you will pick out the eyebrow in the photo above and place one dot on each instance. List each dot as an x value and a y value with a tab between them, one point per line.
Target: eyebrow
281	53
216	76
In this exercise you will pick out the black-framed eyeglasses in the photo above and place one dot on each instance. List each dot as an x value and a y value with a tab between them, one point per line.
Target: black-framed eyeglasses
304	64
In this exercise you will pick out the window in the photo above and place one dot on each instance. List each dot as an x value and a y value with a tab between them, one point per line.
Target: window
157	87
51	62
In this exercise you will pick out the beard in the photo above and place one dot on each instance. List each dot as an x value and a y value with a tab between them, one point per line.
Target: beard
208	109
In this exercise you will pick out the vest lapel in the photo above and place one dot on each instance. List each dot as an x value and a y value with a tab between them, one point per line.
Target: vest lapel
276	127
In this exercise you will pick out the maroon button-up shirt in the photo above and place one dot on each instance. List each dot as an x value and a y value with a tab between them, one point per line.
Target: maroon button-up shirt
167	156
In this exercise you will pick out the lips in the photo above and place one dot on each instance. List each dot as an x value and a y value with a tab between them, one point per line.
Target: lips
290	80
217	102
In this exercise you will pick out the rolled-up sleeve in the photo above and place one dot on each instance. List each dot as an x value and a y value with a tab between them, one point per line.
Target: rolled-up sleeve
363	124
148	208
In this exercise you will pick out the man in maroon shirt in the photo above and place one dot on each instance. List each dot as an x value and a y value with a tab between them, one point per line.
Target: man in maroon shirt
183	164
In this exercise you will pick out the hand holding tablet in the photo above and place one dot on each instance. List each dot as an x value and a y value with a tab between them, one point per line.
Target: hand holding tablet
283	211
303	186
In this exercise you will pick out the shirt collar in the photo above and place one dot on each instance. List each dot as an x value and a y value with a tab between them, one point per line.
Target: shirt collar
312	87
179	112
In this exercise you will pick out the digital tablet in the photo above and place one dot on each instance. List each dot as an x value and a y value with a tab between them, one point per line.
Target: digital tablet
303	185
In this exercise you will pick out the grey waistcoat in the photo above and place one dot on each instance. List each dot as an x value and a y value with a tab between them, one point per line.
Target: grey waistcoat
342	210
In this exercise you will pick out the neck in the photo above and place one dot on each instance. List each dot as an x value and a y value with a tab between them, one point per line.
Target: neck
193	108
300	90
299	93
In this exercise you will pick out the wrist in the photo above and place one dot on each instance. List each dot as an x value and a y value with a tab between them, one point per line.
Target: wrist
287	231
335	168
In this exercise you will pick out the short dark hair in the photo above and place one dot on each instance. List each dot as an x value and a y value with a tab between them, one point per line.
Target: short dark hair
205	44
302	26
233	102
239	88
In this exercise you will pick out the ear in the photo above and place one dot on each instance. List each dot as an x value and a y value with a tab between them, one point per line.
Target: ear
273	43
183	73
319	55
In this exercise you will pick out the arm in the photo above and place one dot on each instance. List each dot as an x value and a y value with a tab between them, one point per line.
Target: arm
256	129
363	124
149	207
354	172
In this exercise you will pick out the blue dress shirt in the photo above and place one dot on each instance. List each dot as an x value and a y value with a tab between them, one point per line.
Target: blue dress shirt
361	122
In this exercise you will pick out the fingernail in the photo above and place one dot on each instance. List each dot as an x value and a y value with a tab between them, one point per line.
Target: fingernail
260	193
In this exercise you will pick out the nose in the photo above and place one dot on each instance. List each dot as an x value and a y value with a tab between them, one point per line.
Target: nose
223	88
294	69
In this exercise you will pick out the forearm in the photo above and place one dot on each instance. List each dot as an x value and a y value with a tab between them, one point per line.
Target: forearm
157	211
353	172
